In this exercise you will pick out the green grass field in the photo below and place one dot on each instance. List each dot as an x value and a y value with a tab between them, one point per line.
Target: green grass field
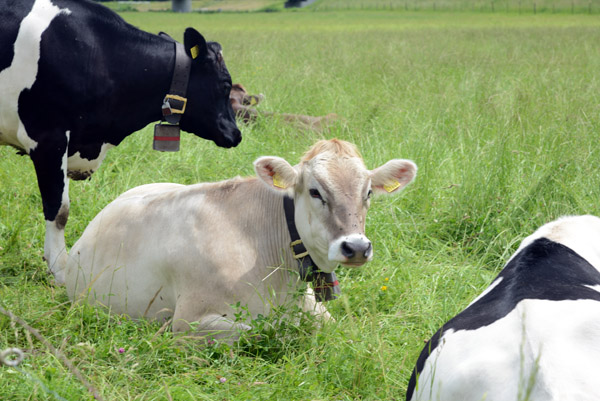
509	6
501	112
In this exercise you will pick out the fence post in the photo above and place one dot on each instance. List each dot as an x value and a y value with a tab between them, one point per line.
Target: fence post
182	6
534	10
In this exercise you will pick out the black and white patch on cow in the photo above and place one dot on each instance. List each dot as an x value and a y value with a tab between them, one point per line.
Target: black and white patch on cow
533	334
70	92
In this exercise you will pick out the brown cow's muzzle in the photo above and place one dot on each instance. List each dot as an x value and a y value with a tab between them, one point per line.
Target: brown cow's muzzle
351	250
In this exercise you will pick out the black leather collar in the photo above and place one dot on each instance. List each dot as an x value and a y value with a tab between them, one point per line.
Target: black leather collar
325	285
175	101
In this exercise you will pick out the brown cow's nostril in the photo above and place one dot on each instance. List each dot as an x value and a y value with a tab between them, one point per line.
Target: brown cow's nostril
347	250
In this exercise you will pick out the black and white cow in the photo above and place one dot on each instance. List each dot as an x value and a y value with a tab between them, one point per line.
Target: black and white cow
76	79
533	334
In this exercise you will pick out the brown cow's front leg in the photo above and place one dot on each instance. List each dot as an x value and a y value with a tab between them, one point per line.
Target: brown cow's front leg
50	161
210	326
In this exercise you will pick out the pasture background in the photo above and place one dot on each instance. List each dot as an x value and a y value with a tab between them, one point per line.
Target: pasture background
509	6
499	111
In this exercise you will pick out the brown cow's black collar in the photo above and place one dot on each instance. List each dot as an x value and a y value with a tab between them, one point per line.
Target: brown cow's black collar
325	285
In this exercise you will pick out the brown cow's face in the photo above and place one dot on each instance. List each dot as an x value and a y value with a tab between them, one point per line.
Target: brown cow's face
241	102
239	97
332	189
332	198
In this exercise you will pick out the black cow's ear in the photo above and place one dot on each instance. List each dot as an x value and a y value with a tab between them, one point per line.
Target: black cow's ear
195	44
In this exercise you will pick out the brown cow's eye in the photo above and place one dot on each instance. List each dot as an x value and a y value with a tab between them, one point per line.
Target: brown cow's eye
315	194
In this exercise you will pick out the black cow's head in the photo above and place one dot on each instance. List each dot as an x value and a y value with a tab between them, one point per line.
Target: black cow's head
208	113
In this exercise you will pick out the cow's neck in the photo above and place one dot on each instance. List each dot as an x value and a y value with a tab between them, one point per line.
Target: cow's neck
271	228
279	241
142	84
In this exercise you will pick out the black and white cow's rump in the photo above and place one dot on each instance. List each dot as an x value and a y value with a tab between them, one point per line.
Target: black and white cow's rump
75	80
533	334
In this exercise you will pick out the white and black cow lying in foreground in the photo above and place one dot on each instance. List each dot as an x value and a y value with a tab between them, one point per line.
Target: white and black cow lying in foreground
533	334
75	80
193	251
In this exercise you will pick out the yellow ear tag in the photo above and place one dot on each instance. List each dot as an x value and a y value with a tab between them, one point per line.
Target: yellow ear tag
391	187
278	182
195	50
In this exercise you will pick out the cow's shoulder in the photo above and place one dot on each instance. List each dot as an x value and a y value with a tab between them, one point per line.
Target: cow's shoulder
543	270
579	233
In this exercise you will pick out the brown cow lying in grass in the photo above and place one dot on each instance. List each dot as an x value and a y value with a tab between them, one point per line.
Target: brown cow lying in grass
242	104
190	252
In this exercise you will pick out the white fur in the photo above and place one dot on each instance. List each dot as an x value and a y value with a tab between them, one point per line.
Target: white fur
77	163
55	251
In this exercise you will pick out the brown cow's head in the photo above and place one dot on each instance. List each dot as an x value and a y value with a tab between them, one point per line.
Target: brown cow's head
332	190
241	101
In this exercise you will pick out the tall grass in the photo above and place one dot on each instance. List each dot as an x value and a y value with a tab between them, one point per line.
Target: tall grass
500	112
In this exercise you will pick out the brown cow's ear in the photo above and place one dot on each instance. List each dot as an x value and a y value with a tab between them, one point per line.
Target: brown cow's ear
195	44
393	176
276	173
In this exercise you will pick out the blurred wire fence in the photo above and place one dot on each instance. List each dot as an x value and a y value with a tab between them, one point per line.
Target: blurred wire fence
512	6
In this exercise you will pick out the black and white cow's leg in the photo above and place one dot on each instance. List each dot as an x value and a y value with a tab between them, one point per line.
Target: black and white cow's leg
50	162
